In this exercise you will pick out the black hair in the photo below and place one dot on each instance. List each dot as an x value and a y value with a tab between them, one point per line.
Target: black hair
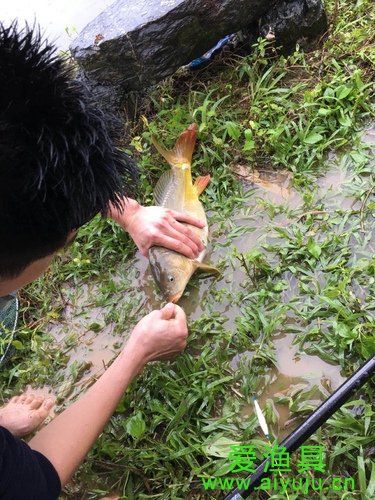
59	164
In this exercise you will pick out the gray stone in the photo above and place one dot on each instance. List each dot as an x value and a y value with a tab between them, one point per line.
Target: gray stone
294	21
135	44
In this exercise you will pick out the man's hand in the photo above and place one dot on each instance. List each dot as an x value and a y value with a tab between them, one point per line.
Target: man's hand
149	226
159	335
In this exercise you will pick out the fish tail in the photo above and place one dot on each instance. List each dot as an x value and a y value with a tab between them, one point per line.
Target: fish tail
182	152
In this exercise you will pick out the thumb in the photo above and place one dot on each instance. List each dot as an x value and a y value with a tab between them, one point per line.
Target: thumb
168	311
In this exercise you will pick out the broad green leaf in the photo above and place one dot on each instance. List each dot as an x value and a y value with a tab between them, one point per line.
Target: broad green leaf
313	138
233	130
343	330
324	111
314	248
220	447
343	91
344	120
135	425
328	92
17	344
249	143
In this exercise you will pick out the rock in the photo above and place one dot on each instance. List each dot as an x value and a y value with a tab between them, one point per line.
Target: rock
136	44
294	21
133	45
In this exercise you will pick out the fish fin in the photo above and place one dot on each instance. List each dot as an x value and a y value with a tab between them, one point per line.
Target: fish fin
201	183
163	186
205	268
182	151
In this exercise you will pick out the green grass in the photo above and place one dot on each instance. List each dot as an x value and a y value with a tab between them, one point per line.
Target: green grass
303	113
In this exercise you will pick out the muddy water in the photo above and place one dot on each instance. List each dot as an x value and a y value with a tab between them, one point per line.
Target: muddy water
96	337
295	372
368	136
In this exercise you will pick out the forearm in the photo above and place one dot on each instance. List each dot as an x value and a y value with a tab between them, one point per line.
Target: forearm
69	437
127	210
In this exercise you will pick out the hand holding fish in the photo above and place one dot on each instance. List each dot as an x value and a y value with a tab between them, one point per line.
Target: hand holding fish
159	226
159	335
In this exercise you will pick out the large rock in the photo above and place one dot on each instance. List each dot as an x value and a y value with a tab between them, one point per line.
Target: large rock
135	44
294	21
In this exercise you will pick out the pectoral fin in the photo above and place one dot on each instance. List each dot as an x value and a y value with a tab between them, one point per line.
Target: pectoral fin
205	268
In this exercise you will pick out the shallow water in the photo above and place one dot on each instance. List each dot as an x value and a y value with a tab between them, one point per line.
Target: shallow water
368	136
95	335
294	372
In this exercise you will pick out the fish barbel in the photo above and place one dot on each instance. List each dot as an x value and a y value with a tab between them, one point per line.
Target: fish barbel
175	190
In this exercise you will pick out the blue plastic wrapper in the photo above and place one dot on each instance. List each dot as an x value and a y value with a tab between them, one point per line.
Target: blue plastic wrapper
206	58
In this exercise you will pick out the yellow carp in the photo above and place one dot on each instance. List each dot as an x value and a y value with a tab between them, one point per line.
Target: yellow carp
175	190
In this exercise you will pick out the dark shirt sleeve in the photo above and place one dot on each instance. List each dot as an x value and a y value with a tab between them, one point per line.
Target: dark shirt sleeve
25	473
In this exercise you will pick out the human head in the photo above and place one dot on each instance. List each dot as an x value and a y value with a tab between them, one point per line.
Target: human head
59	165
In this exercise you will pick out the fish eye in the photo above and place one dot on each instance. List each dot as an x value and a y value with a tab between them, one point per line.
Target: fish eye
170	278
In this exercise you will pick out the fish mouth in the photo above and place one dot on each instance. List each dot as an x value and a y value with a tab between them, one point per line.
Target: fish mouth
174	298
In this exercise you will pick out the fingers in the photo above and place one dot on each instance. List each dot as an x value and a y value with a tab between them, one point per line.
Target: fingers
173	311
187	241
176	245
174	236
179	315
159	339
165	227
186	235
168	311
180	326
182	234
186	218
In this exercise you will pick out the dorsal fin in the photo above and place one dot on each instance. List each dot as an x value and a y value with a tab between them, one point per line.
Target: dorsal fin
164	186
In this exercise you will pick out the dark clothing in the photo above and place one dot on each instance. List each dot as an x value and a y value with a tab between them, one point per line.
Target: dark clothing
25	474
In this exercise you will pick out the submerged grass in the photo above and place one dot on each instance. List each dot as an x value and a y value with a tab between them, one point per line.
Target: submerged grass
306	271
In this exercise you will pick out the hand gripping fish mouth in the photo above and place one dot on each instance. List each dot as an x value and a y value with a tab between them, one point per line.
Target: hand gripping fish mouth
175	190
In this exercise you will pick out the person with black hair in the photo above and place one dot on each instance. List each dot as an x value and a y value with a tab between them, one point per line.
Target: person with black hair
59	167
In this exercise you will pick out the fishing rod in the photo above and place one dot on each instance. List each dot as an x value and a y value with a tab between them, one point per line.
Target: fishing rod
309	426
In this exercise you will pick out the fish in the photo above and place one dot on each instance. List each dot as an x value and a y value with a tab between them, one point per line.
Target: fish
175	190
